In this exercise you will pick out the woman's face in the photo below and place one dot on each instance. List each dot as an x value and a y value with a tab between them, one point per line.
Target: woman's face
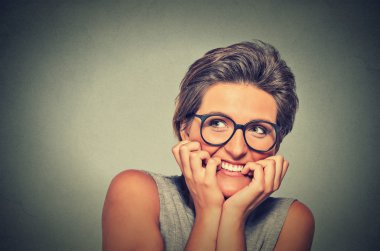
242	103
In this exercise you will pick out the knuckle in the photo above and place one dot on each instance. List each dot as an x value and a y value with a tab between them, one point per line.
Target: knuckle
204	154
268	190
249	164
253	166
207	183
194	156
207	154
279	157
183	149
212	161
271	162
260	188
174	149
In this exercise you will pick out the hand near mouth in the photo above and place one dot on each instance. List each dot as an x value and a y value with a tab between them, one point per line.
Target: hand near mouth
208	199
248	198
267	175
199	170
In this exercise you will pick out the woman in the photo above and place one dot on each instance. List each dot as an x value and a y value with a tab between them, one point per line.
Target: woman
235	106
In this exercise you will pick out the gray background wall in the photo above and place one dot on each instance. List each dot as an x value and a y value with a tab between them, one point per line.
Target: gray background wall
87	90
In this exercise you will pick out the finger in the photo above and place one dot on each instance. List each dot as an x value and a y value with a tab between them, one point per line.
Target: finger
175	151
184	153
279	168
269	173
257	172
212	165
256	188
285	169
196	162
249	167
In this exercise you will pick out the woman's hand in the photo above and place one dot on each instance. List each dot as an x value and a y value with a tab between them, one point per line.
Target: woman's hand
200	179
207	198
267	177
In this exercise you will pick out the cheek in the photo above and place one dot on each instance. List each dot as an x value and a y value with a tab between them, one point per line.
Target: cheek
255	156
195	136
210	149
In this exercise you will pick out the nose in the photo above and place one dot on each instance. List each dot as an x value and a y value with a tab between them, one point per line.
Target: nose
236	146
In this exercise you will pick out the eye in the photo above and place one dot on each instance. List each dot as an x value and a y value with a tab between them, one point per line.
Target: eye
258	130
217	123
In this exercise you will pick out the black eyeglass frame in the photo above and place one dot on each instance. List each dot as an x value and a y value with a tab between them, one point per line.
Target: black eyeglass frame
203	118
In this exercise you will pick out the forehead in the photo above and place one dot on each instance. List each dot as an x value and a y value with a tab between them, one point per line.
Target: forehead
242	102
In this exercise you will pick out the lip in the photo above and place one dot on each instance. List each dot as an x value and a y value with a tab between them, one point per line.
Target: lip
233	163
230	173
231	168
233	173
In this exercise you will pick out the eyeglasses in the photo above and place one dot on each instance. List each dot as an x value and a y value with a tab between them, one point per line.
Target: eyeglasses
218	129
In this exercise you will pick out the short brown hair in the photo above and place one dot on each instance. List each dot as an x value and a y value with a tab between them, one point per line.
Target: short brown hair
255	63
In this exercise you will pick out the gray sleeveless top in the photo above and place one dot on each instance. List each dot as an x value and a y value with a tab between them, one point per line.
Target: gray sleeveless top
262	228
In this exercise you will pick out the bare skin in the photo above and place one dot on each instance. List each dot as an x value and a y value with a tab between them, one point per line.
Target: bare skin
222	201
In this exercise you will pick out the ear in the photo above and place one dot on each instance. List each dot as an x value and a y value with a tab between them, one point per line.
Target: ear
276	148
184	132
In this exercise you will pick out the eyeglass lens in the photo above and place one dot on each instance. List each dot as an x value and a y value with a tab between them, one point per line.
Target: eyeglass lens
217	130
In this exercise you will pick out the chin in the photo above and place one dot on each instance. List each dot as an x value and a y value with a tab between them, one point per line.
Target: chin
228	192
229	185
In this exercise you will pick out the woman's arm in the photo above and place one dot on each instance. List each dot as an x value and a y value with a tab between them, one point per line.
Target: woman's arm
205	193
298	230
267	176
203	235
231	232
131	213
296	234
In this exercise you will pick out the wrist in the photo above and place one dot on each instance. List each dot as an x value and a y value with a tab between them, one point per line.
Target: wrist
231	232
204	233
208	214
231	212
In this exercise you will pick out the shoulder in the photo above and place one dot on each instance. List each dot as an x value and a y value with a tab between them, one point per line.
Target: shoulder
131	180
127	187
131	175
300	216
298	229
131	210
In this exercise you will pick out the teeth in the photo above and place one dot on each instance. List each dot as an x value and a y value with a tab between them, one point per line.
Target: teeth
231	167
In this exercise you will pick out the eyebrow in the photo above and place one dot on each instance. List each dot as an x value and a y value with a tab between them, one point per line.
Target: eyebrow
224	114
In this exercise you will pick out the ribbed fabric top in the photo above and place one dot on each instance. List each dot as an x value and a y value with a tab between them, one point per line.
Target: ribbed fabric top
262	229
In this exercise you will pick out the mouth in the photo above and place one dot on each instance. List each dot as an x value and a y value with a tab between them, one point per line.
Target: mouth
231	167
